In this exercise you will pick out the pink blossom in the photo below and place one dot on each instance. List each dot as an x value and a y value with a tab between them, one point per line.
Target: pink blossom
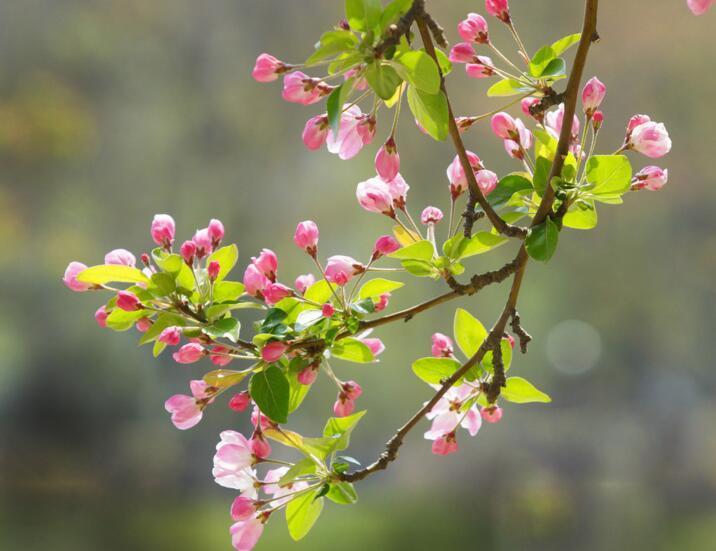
216	231
243	508
220	355
315	132
513	149
258	418
267	68
510	339
143	325
491	414
635	121
387	160
445	445
303	282
308	375
382	303
431	215
553	121
376	345
170	336
100	316
352	390
260	446
70	277
366	128
327	310
463	52
240	401
526	103
163	230
499	9
267	263
652	178
273	351
213	270
306	236
503	125
385	245
254	281
398	189
276	292
120	257
189	353
185	411
233	455
447	415
486	181
456	174
593	95
442	346
474	29
482	69
597	120
354	131
204	244
298	87
340	269
343	407
280	494
374	196
699	7
128	301
650	139
188	252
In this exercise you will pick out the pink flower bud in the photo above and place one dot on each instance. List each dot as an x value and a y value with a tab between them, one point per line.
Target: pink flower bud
258	418
216	231
376	346
127	301
513	149
352	390
307	376
213	270
499	9
456	174
243	508
273	351
463	123
298	87
387	160
204	243
474	29
220	355
510	339
398	189
482	69
635	121
491	414
70	277
276	292
340	269
188	251
445	445
374	196
100	316
343	407
651	139
185	412
245	534
120	257
366	129
260	446
170	336
143	325
486	181
306	237
327	310
597	120
267	263
162	230
526	103
593	95
254	281
267	68
189	353
382	303
503	125
431	215
463	52
240	401
384	245
145	259
652	178
442	346
699	7
315	132
303	282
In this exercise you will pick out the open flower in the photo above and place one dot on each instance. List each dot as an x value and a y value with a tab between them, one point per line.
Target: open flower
70	277
340	269
187	411
449	414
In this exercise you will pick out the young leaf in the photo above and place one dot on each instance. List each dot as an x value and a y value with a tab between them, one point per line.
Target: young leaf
224	378
542	240
469	332
108	273
420	268
227	291
393	11
434	370
422	250
383	79
480	243
164	320
507	187
507	87
333	43
541	60
521	391
430	110
226	257
340	428
419	69
334	106
319	292
270	390
610	175
352	350
378	286
363	15
302	512
563	44
307	318
305	466
227	328
342	493
581	219
120	320
404	237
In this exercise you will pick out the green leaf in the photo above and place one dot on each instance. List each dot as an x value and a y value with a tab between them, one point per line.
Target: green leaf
226	257
541	60
307	318
333	43
480	243
363	15
610	175
521	391
469	332
224	378
443	62
302	512
120	320
297	391
556	68
542	169
270	390
542	240
581	219
507	87
334	106
393	11
227	328
378	286
158	348
162	284
419	69
383	79
434	370
175	265
227	291
563	44
507	187
108	273
431	111
352	350
303	467
342	493
319	292
422	250
340	428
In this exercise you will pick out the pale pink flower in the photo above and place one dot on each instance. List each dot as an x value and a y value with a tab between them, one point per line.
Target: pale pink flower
242	508
456	174
220	355
216	231
340	269
254	281
499	9
636	120
376	345
187	411
651	139
482	69
445	445
100	316
308	375
240	401
245	534
315	132
163	230
189	353
343	407
593	95
306	236
303	282
233	458
474	29
260	446
267	68
387	160
398	189
374	196
204	243
276	292
120	257
463	52
442	346
699	7
272	488
354	131
491	414
298	87
652	178
446	415
267	263
170	336
486	181
143	325
553	121
273	351
526	103
128	301
70	277
503	125
385	245
431	215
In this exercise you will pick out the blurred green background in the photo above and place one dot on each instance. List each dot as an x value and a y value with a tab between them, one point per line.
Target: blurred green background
113	110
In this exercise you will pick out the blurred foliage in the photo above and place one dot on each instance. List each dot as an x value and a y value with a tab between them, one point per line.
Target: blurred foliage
112	111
